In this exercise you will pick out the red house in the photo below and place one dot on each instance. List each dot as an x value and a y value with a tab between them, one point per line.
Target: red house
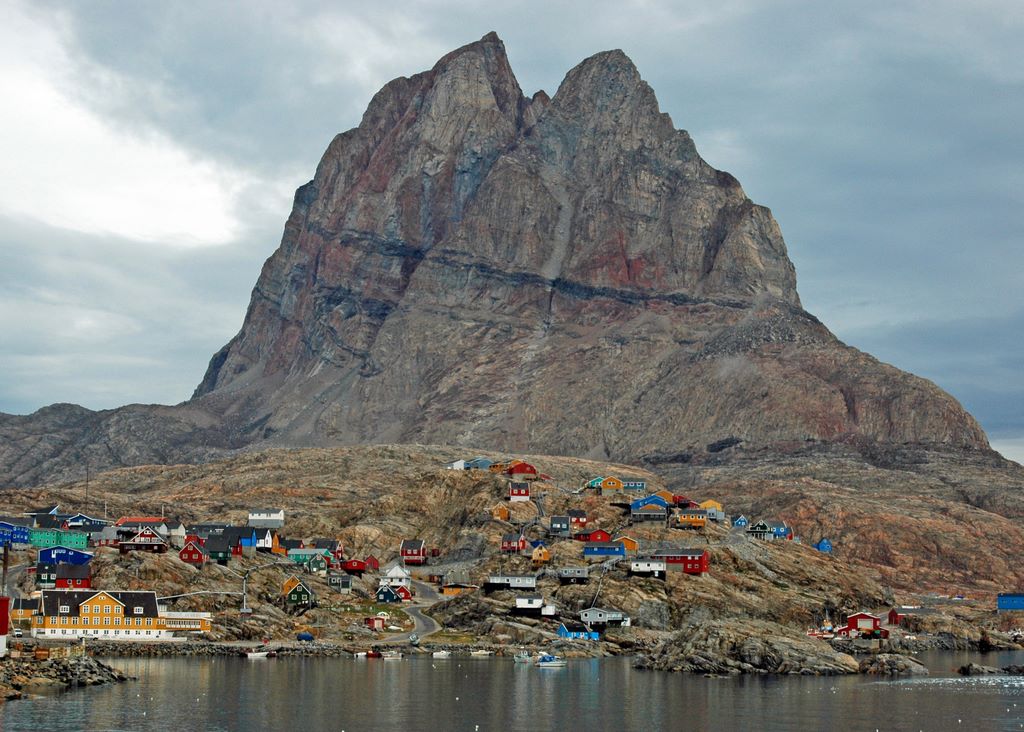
522	471
193	553
73	577
413	551
594	535
354	566
577	519
374	622
690	561
403	592
146	540
372	563
195	539
518	490
513	543
862	624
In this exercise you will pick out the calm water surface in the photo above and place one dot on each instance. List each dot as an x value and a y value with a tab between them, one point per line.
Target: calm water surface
485	694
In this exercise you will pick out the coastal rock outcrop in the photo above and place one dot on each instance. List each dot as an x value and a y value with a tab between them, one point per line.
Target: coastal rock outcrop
892	664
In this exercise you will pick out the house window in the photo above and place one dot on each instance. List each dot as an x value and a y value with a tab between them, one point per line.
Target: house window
65	609
106	621
137	610
149	621
117	609
74	621
106	609
117	621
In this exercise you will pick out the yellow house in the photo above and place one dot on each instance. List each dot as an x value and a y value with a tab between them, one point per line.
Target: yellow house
23	608
111	615
611	484
540	555
501	513
711	505
631	544
667	495
693	518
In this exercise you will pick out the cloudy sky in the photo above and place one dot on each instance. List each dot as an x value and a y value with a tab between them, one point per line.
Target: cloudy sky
149	152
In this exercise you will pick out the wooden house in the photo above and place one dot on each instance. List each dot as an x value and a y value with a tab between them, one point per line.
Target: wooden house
300	595
529	604
23	608
631	545
689	561
648	513
48	537
573	575
500	513
684	502
824	545
266	518
372	563
862	624
146	540
559	526
897	615
603	549
522	471
266	539
45	575
540	555
571	630
578	519
637	486
449	589
513	543
317	564
593	535
714	509
459	464
217	549
413	552
604	616
780	530
479	463
611	485
740	521
354	566
652	500
63	555
518	491
73	577
511	581
340	582
289	583
692	518
594	482
397	576
404	593
193	553
648	566
116	615
387	593
374	622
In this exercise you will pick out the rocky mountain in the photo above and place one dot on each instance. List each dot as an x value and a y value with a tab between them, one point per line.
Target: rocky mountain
565	274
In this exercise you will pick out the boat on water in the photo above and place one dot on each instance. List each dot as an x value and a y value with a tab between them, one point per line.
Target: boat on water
260	654
392	656
522	657
549	661
441	654
372	654
481	652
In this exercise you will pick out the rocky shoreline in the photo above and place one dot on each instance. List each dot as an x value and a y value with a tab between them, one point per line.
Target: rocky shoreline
20	675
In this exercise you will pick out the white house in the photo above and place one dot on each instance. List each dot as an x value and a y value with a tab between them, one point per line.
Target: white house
457	465
604	616
265	539
397	576
529	603
648	565
266	518
514	581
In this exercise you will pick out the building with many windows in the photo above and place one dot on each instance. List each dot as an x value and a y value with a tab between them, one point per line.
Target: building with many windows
111	615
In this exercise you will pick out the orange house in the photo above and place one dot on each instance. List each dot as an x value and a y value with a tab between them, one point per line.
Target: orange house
667	495
692	518
457	588
540	556
611	484
631	544
501	513
132	615
290	584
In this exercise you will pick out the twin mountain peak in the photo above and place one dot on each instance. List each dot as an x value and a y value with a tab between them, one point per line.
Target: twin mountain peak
470	266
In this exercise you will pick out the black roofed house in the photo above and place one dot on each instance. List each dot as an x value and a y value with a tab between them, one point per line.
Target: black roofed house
604	616
413	552
146	540
206	530
514	543
332	545
340	582
48	521
36	513
73	577
289	544
559	525
242	540
760	530
218	549
46	575
648	566
300	594
648	512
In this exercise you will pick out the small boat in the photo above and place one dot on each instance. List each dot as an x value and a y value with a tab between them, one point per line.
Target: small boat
372	654
441	654
549	661
392	655
257	654
522	657
359	654
481	652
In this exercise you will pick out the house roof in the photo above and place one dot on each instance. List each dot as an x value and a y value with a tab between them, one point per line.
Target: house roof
42	510
48	521
776	524
511	537
196	546
574	626
679	552
412	545
73	571
14	521
325	543
144	599
217	543
25	603
265	510
289	544
602	545
576	513
573	570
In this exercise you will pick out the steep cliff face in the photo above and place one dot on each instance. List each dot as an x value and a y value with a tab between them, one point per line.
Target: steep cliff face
469	266
565	274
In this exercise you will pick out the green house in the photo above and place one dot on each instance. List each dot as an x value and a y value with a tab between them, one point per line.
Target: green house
317	564
301	595
44	538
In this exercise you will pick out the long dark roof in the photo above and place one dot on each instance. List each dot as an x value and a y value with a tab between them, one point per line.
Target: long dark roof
73	571
131	599
217	543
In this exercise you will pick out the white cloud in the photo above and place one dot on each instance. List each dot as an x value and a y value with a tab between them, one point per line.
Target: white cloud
1011	448
67	167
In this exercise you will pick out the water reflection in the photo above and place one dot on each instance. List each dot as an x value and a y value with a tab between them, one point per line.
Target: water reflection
495	694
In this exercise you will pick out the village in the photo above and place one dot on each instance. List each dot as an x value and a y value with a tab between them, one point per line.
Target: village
556	548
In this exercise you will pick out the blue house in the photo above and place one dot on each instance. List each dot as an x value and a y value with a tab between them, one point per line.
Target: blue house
63	555
1009	601
14	533
604	549
740	520
479	463
634	485
386	593
652	500
577	631
780	529
824	545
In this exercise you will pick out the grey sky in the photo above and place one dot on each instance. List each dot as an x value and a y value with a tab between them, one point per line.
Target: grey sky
150	151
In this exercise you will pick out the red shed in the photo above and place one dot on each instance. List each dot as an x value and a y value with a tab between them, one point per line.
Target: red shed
354	566
513	543
413	551
73	577
403	592
594	535
372	563
374	622
690	561
863	624
518	490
